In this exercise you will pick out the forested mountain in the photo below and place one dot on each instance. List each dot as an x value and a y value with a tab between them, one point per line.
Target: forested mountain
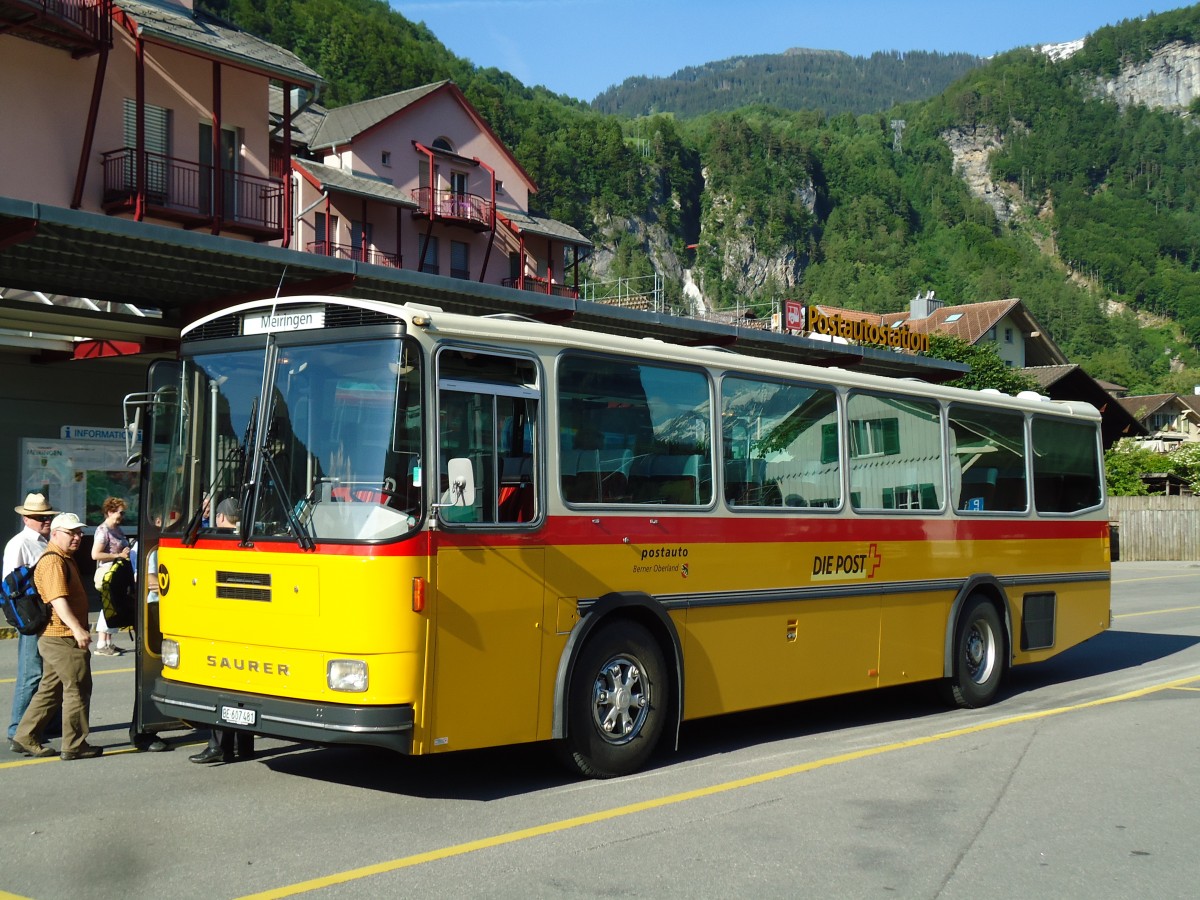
1101	222
796	79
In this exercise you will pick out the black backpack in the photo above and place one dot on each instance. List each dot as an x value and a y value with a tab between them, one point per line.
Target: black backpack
23	605
118	595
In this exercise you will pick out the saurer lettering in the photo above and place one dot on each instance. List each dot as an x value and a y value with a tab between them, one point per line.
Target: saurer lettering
248	665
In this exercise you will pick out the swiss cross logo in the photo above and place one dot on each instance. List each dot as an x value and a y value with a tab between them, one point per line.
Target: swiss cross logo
874	561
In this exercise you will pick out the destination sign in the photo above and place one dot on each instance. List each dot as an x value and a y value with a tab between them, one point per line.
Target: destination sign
299	318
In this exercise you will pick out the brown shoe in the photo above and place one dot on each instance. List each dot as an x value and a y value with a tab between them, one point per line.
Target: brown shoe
38	751
87	751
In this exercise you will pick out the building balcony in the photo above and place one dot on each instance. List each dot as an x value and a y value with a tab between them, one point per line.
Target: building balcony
81	27
469	210
541	286
183	191
359	254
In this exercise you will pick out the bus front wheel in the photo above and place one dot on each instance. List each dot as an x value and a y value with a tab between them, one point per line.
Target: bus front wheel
979	655
616	708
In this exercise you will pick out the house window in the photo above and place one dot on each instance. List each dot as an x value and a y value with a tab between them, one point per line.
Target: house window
460	259
157	147
361	240
1163	422
158	127
230	157
991	333
385	158
443	144
430	261
326	227
1008	335
874	437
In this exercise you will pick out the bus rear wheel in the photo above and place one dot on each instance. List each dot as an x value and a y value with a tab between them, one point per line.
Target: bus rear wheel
979	655
617	702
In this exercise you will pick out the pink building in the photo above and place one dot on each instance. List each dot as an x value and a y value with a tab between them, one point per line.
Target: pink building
146	110
418	180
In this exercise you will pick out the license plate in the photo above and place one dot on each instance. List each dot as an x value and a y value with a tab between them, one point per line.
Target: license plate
235	715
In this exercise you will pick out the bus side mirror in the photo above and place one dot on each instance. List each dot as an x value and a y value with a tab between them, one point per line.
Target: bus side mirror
462	483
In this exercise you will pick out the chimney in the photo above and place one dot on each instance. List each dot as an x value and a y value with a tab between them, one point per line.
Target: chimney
923	307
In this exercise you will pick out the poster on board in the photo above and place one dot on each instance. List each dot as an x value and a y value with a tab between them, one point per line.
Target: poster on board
77	473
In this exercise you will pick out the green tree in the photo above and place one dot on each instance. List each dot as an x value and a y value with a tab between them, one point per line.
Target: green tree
1125	463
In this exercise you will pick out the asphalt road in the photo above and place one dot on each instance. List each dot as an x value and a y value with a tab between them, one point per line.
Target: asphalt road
1083	781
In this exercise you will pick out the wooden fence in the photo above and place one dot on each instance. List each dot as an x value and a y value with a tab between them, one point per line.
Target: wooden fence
1155	528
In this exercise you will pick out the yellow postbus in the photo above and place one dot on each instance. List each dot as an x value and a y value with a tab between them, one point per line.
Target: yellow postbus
456	531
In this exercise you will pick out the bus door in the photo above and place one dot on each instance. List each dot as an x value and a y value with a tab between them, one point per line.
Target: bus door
488	574
155	414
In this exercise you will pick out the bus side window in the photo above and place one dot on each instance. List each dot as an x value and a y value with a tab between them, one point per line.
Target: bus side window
1066	466
780	444
987	459
488	413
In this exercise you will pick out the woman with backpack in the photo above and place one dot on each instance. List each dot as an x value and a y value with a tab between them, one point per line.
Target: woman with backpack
108	545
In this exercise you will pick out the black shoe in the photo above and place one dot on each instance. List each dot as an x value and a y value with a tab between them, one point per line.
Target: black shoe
87	751
158	745
211	754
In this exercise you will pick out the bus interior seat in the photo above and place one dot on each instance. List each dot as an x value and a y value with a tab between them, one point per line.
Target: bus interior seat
744	479
615	466
516	501
666	478
978	484
579	474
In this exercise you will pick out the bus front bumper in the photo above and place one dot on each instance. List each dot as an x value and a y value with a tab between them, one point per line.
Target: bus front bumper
389	727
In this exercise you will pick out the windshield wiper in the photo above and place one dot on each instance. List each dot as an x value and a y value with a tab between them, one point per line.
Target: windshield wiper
193	525
303	536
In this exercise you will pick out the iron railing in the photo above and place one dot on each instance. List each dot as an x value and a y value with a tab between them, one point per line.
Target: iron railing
187	187
358	254
452	205
59	21
541	286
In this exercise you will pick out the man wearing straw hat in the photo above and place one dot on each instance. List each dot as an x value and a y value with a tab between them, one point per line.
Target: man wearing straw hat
24	550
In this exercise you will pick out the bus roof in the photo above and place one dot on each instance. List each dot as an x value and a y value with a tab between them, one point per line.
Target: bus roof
515	329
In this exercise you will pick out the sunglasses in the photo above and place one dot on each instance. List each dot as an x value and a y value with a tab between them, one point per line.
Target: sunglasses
42	519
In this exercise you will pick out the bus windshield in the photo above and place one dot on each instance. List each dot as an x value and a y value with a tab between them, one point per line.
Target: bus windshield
334	455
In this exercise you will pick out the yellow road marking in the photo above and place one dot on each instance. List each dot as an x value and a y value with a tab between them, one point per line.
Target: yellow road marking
1157	612
511	837
31	761
1153	578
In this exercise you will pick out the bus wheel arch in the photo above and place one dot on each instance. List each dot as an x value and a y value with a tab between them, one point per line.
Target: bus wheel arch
629	637
978	644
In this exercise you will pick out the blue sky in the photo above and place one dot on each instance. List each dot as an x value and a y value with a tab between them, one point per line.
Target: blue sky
580	47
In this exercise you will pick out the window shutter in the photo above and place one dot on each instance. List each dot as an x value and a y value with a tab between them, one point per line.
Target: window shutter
829	443
891	437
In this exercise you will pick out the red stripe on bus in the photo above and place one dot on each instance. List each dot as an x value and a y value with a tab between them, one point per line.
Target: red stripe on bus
642	529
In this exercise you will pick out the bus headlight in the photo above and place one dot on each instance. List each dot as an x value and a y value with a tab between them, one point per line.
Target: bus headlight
170	654
347	675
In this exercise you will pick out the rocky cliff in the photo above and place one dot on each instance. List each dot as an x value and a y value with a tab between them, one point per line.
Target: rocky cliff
1170	79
